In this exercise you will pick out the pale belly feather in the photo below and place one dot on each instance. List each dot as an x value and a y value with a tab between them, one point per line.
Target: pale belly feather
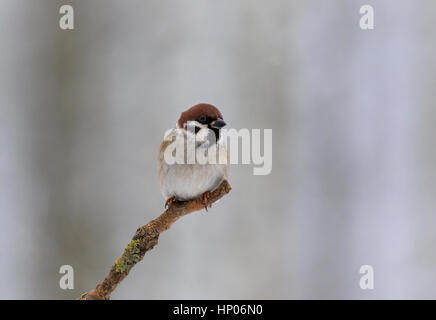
189	181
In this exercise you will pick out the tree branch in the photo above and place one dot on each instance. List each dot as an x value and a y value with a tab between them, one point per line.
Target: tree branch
145	238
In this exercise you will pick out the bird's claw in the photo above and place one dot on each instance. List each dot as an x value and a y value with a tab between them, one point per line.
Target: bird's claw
170	201
204	198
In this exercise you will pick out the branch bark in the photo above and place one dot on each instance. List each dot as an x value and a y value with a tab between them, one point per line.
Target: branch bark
145	238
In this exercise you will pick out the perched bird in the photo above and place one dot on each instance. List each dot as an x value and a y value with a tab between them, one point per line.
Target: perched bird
200	128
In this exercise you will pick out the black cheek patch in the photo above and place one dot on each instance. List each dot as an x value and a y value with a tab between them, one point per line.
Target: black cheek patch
217	134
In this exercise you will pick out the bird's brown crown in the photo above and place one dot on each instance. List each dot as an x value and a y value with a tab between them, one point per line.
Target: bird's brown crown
195	112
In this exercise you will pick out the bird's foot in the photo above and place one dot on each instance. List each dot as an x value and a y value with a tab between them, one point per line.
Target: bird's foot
204	198
170	201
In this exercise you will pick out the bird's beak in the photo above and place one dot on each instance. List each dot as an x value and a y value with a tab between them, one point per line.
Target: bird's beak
218	123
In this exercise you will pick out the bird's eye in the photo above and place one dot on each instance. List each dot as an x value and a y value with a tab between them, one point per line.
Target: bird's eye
202	119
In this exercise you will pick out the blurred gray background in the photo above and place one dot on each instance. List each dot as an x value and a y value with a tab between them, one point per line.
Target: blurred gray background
82	114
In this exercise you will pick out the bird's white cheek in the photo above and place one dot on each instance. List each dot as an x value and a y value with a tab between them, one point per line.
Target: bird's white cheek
203	134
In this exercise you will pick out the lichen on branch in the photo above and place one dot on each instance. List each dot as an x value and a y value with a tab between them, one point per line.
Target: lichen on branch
130	257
